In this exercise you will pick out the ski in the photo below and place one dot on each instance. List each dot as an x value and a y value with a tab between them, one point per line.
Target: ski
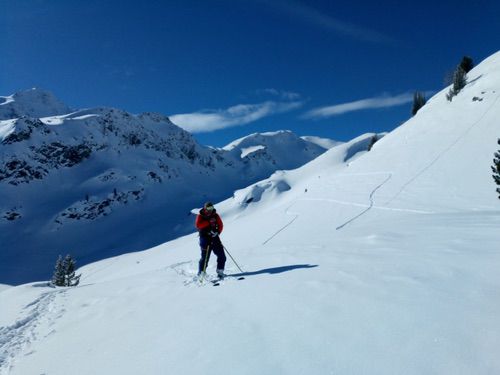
205	279
218	281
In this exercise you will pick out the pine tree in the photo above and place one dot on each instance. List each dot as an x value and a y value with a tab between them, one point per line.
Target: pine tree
459	79
496	169
418	102
69	272
58	279
467	64
64	273
459	82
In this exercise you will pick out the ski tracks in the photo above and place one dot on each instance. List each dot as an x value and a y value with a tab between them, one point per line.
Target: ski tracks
444	151
367	207
283	227
370	206
186	270
189	272
38	323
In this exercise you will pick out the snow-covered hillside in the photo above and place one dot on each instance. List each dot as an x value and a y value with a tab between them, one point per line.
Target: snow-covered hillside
265	145
101	182
322	142
380	262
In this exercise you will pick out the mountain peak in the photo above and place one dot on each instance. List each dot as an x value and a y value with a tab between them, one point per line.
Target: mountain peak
34	102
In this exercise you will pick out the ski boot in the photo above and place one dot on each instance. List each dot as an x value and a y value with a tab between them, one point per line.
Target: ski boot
220	274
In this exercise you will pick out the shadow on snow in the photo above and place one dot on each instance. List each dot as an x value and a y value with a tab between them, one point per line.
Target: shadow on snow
274	270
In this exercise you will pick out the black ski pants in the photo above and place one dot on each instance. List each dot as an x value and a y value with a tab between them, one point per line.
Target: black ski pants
211	245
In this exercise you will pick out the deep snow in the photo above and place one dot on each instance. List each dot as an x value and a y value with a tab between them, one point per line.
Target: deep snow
380	262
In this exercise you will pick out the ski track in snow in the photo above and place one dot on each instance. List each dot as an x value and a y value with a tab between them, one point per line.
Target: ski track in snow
370	205
362	205
444	152
283	227
186	270
18	337
367	207
189	271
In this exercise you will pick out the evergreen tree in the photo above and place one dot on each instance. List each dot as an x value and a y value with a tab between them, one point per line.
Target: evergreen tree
418	102
496	169
467	64
459	79
69	271
64	273
58	279
459	82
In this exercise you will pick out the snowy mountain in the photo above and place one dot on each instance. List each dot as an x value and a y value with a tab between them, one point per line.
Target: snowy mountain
32	103
379	262
264	145
100	182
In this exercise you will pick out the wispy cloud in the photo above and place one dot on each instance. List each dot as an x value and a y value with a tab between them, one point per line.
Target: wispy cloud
285	95
383	101
318	18
241	114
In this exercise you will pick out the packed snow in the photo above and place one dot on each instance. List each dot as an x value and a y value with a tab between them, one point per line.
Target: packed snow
360	262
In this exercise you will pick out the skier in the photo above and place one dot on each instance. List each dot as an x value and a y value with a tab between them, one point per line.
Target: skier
209	225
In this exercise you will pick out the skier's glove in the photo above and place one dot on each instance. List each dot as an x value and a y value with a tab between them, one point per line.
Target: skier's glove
213	233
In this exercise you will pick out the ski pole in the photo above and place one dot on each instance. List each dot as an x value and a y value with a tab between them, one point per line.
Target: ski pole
228	253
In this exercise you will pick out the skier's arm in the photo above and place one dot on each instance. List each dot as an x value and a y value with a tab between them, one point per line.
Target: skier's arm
219	223
200	223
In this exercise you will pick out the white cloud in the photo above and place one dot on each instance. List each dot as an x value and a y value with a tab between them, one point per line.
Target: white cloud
358	105
286	95
241	114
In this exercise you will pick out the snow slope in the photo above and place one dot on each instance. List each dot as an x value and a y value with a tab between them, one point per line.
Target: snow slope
68	181
4	286
322	142
380	262
293	149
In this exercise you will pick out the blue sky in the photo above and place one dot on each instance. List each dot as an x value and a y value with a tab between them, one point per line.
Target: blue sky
225	69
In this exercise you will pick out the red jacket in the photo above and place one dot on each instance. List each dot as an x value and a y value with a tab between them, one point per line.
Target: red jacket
207	221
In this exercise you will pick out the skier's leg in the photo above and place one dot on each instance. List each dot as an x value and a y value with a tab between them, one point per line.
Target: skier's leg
218	250
205	255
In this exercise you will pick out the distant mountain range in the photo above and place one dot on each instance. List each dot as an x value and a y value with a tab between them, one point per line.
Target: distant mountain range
99	182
